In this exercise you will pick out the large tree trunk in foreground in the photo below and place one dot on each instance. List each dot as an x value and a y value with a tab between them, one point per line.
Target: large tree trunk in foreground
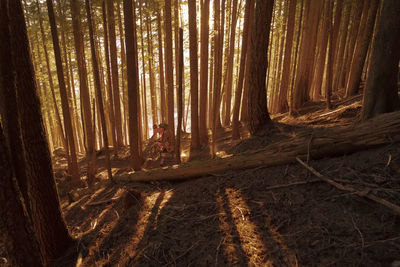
258	111
381	88
334	142
16	230
49	223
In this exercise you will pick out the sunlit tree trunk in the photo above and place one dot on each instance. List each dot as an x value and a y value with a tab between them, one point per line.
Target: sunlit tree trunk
109	79
161	70
84	90
180	99
97	85
282	105
239	88
114	72
229	75
63	93
150	57
144	91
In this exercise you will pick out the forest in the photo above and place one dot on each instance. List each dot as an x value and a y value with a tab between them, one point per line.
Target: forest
199	133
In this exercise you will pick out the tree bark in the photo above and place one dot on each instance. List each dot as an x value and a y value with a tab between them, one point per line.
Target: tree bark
64	98
150	56
194	81
114	72
169	69
381	88
47	217
361	49
84	90
258	110
133	86
243	55
180	99
204	38
15	227
282	105
97	85
109	79
161	67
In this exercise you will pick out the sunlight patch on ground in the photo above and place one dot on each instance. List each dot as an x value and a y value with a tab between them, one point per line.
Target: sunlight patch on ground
249	235
143	221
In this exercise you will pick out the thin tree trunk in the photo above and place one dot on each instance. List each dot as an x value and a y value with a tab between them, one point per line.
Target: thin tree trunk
194	82
180	99
361	49
114	72
169	66
150	56
64	98
84	90
161	67
243	55
204	38
109	79
97	85
282	105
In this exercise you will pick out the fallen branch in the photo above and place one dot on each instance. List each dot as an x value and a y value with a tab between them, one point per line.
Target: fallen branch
364	193
279	186
382	130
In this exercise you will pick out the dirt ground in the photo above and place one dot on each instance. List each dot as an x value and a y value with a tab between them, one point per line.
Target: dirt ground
279	216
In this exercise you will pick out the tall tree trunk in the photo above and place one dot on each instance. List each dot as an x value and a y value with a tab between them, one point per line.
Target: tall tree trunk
282	105
381	88
244	115
150	57
46	54
204	37
133	85
258	111
114	72
123	73
97	85
109	79
329	74
161	67
169	70
19	240
144	91
339	57
180	99
243	55
361	49
49	224
322	46
352	37
194	82
63	93
229	75
84	90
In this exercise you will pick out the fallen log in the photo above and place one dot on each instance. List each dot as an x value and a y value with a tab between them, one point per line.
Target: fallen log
381	130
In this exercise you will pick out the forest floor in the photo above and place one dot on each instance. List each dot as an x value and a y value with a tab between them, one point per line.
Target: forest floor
277	216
